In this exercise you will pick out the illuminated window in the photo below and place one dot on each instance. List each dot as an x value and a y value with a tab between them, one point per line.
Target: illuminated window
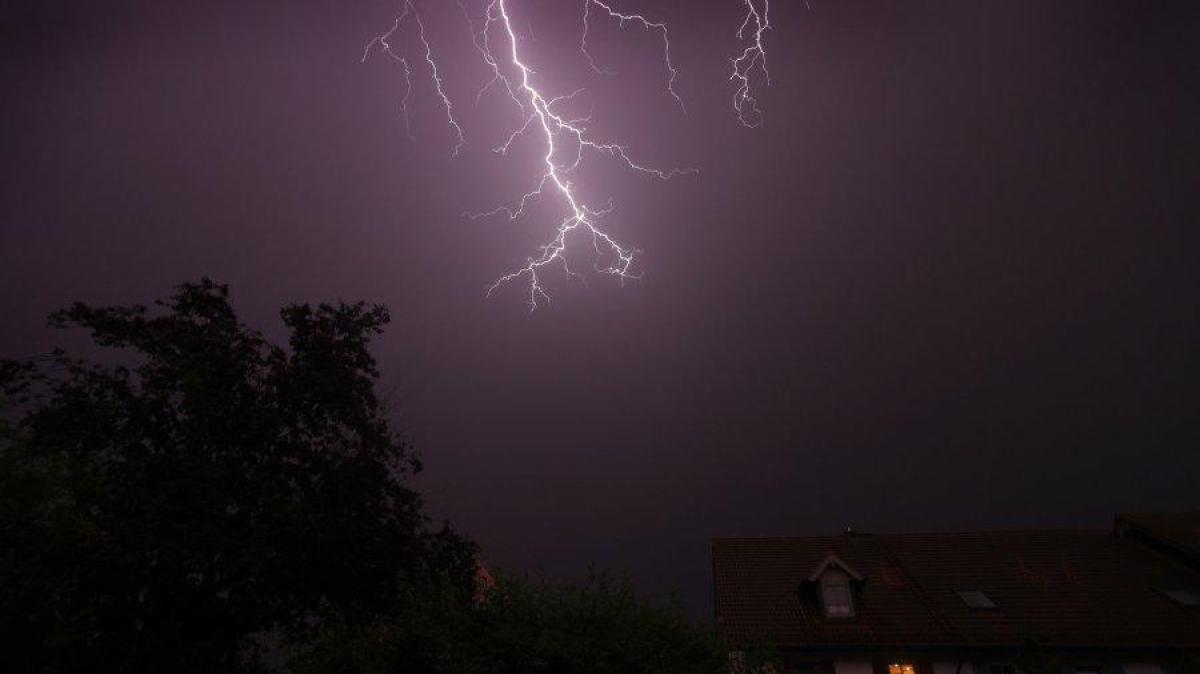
836	599
901	668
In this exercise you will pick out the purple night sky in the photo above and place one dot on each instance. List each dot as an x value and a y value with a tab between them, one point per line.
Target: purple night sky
952	281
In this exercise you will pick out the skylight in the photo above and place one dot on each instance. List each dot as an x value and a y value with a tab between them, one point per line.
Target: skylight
1185	597
975	599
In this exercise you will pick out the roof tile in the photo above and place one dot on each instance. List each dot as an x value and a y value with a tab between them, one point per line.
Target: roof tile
1077	588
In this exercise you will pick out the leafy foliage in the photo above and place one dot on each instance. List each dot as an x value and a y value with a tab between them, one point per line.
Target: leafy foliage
167	515
527	625
220	503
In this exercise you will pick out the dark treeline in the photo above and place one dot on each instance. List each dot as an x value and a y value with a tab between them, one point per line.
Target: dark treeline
224	504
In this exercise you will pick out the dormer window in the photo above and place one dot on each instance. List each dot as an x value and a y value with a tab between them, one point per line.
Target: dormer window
836	600
834	582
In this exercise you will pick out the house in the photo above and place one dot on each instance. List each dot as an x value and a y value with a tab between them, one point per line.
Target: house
1124	600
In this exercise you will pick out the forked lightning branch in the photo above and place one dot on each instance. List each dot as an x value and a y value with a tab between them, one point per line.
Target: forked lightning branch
562	140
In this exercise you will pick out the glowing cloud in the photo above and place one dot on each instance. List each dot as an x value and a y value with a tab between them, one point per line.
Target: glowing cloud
564	140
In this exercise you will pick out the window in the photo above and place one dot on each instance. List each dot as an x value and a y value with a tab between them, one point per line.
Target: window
975	599
836	599
901	668
1185	597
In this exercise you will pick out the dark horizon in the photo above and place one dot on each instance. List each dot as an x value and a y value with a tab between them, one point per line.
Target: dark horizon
950	283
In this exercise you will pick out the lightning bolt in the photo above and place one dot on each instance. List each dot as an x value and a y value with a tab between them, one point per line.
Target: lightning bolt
646	24
753	57
385	44
564	140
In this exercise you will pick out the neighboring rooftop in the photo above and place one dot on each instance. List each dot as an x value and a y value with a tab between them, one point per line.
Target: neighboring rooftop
1177	533
1066	587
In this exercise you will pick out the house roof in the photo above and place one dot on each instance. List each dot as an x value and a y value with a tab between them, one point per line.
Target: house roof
1066	588
833	561
1177	532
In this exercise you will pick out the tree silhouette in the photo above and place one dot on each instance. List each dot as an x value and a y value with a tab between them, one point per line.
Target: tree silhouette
525	625
213	495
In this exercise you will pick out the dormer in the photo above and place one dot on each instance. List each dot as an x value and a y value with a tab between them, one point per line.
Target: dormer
834	583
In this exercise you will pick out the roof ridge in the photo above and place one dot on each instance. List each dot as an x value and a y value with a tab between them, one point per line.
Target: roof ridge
1055	530
715	539
861	534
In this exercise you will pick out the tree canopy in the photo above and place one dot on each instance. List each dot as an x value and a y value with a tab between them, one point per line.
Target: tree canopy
219	488
202	500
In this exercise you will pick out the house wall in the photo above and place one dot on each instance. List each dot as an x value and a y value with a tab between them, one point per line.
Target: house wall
939	667
1141	668
853	667
1069	663
947	667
